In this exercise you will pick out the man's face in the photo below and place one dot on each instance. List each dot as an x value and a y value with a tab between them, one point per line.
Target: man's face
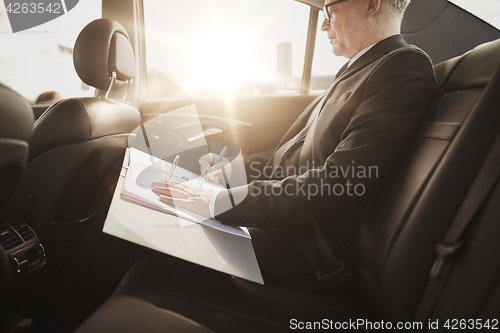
345	29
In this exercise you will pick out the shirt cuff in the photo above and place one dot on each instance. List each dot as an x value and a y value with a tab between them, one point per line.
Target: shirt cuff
211	207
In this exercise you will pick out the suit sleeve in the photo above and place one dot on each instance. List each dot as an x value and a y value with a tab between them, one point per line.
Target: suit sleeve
394	99
255	164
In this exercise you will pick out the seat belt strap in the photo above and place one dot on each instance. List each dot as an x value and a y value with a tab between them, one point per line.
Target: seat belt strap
481	187
329	267
319	253
449	68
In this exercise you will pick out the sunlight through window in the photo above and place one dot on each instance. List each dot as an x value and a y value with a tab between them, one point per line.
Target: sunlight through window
222	47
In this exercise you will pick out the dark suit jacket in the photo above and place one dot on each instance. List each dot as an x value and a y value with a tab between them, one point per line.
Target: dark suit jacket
373	111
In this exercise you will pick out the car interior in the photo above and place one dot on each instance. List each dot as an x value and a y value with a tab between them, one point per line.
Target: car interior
427	245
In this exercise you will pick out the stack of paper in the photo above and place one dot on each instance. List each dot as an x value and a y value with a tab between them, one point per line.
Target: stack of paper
145	169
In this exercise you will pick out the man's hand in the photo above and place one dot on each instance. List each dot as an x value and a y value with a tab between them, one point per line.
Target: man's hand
214	172
193	199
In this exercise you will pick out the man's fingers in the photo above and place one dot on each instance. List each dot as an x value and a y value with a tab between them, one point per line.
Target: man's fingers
177	185
161	190
158	184
186	188
194	199
164	184
177	191
171	192
181	203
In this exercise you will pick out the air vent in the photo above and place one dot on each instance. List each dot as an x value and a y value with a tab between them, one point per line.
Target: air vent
9	239
26	233
22	229
14	233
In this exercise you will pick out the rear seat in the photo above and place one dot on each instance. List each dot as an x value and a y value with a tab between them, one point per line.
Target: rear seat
395	246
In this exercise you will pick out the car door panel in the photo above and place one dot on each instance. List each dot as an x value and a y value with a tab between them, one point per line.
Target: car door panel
254	123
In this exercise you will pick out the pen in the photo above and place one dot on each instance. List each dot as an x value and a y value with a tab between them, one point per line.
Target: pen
221	155
203	176
226	181
172	168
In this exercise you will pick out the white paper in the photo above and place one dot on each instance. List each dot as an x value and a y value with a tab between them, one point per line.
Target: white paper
198	244
144	169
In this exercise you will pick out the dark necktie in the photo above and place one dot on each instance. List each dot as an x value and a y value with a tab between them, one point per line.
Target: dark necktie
342	70
281	152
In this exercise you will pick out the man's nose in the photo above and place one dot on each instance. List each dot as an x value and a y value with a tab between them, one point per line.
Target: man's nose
325	25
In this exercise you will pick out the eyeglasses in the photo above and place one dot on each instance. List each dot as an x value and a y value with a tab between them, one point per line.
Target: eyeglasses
327	13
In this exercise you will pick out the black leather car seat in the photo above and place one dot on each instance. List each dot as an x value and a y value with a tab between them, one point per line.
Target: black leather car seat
78	144
16	119
398	236
396	242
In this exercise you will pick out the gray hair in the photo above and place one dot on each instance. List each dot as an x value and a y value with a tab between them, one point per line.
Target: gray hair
397	7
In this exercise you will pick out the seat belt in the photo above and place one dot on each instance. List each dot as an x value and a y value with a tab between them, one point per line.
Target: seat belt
319	253
329	267
484	182
449	68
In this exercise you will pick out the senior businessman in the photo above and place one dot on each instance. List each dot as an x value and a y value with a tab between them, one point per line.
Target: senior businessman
311	190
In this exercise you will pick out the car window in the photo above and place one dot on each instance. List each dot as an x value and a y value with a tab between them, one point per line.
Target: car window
40	59
487	10
220	47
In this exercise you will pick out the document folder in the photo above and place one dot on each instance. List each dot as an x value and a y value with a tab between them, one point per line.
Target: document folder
205	242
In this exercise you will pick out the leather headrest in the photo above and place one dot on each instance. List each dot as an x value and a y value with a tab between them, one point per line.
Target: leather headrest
16	115
103	47
476	68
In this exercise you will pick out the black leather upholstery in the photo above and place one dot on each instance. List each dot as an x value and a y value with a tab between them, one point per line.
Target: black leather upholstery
102	47
79	119
428	21
15	130
111	320
473	287
223	303
14	119
396	246
78	143
397	235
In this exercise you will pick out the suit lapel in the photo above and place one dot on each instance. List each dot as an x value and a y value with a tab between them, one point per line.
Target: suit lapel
382	48
299	124
379	50
301	121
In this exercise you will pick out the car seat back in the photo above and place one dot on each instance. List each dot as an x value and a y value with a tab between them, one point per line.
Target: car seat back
396	246
16	119
78	143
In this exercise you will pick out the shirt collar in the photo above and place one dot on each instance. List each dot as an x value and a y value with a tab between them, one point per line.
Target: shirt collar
359	54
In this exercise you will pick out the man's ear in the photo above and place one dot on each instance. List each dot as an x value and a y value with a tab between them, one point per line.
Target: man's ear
373	7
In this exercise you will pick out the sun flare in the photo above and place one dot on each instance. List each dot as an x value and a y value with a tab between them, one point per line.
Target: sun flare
221	58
